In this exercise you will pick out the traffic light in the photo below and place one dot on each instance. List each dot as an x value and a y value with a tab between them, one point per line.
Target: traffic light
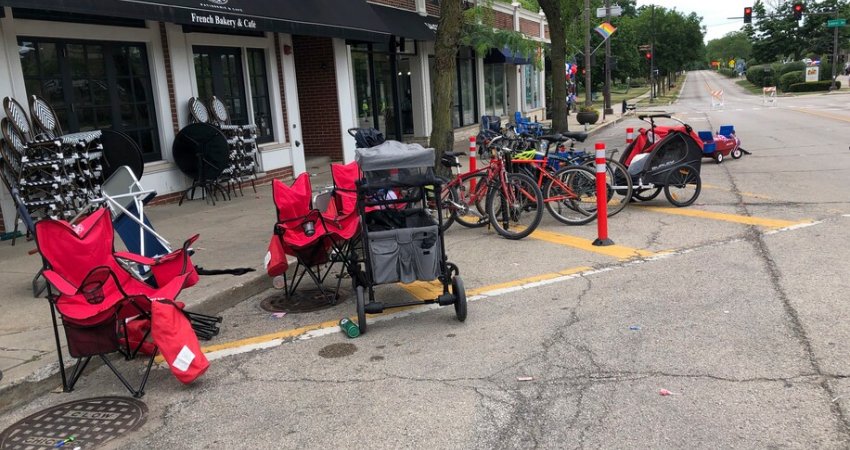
798	11
748	15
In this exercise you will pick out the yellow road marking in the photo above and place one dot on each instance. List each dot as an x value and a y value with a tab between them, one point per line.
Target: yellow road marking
823	114
616	251
745	194
735	218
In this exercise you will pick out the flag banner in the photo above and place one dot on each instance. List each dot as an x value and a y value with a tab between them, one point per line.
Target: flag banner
606	30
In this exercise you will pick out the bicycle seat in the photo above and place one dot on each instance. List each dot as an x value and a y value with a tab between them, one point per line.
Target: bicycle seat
578	136
454	153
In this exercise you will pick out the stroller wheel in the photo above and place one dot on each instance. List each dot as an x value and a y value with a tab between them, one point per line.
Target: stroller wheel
361	309
683	186
460	298
646	195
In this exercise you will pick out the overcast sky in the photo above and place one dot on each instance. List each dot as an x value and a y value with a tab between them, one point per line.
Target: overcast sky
714	13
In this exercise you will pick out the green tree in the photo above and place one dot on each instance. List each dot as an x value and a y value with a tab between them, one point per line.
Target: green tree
445	65
557	34
735	45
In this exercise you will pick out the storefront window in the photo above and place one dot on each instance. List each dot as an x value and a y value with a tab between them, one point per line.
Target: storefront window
94	85
363	89
465	94
260	94
531	80
494	89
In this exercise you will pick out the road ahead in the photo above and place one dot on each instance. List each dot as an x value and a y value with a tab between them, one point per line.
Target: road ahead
738	309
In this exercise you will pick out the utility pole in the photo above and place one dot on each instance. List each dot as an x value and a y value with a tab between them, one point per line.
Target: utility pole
606	91
652	92
834	52
587	100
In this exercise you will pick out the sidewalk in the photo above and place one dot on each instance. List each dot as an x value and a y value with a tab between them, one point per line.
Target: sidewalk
233	234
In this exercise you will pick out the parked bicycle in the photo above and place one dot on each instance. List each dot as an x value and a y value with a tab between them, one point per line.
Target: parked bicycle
493	195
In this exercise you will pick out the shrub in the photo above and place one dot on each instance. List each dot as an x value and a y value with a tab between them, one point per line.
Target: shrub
791	67
762	75
729	73
813	87
785	81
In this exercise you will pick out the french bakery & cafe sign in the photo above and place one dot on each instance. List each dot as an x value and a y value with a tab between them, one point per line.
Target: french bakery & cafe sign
222	20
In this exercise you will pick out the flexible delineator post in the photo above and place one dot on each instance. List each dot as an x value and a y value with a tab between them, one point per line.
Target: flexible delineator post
630	135
473	164
601	198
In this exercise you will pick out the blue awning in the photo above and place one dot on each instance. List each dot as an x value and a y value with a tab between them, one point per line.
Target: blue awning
505	56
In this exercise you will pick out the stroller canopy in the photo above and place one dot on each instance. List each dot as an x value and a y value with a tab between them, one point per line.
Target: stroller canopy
394	155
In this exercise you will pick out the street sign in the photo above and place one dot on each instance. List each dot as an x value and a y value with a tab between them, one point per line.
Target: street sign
616	11
644	48
832	23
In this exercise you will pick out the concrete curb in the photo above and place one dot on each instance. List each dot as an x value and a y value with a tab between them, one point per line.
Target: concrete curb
47	379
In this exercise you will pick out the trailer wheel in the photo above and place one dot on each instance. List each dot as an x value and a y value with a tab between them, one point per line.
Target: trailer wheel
460	298
361	309
737	153
646	195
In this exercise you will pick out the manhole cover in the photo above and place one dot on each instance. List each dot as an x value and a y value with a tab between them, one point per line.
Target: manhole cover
92	422
337	350
303	301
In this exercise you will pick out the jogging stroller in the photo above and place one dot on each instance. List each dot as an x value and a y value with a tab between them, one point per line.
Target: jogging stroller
665	157
401	245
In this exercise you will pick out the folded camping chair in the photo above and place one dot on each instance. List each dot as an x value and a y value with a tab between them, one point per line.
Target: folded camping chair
125	196
302	231
100	301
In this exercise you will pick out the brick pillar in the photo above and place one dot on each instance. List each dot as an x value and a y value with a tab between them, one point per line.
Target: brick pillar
279	58
169	77
317	96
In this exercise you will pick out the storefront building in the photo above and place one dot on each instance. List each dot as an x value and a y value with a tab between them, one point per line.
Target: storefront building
302	72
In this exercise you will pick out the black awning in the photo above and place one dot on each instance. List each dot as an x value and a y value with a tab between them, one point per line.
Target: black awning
505	56
350	19
407	24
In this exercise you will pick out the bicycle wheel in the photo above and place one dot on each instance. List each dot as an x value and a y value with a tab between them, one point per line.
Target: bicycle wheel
470	209
682	186
514	209
570	195
619	184
449	197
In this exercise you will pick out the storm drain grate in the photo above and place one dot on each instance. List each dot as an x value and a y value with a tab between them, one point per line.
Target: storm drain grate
92	422
303	301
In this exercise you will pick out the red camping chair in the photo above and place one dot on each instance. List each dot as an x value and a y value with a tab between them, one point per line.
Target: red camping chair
305	233
98	299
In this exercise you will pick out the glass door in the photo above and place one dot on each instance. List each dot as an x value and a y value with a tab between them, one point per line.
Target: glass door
218	71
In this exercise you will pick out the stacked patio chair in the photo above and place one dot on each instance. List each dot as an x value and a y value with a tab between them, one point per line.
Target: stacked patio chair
55	174
243	148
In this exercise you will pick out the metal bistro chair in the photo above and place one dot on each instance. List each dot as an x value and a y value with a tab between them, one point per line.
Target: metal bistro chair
18	116
198	111
45	118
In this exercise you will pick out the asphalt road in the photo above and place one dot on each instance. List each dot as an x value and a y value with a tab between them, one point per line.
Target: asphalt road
738	311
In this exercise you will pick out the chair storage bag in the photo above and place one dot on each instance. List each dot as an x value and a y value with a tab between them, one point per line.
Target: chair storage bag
93	336
173	334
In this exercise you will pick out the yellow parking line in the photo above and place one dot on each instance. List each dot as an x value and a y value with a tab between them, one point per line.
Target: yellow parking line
616	251
828	115
745	194
735	218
